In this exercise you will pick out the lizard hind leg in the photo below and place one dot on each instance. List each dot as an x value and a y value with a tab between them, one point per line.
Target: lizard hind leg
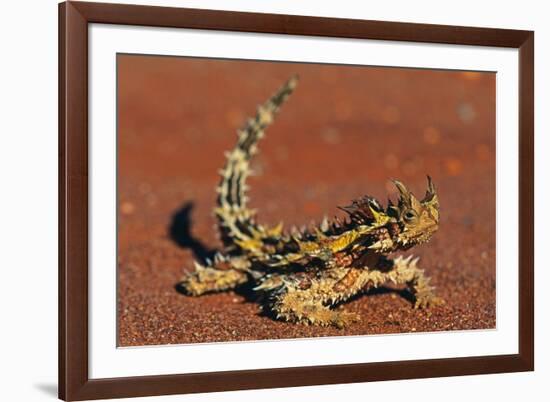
211	279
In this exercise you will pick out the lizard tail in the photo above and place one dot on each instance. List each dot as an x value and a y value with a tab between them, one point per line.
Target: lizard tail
235	220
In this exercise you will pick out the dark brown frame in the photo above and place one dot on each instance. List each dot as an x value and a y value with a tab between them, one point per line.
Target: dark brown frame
74	17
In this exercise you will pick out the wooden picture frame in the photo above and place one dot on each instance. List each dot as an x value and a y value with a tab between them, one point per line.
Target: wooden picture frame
74	381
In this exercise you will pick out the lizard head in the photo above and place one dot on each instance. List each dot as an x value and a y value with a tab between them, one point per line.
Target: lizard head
417	219
397	227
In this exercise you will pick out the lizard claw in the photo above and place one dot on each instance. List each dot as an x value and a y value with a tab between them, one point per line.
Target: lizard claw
427	300
344	319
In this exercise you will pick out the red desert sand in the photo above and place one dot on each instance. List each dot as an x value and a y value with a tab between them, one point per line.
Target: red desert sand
345	132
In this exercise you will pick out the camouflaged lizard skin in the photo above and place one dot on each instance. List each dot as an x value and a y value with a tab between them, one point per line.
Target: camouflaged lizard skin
300	275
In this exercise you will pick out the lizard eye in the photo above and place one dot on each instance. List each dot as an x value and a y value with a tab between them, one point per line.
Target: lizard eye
410	215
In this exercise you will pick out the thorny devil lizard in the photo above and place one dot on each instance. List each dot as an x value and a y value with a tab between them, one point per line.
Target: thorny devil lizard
301	275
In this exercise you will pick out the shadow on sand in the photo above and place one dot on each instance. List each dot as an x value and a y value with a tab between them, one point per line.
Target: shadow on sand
180	233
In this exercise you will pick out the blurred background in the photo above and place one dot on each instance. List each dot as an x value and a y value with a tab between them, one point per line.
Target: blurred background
344	133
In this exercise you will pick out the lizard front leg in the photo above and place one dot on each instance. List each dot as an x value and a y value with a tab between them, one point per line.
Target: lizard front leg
405	271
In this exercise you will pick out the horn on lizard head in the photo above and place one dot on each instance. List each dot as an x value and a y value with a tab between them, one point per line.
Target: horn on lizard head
431	195
406	198
404	193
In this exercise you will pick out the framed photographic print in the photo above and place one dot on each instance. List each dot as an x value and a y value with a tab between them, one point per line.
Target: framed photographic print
256	200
